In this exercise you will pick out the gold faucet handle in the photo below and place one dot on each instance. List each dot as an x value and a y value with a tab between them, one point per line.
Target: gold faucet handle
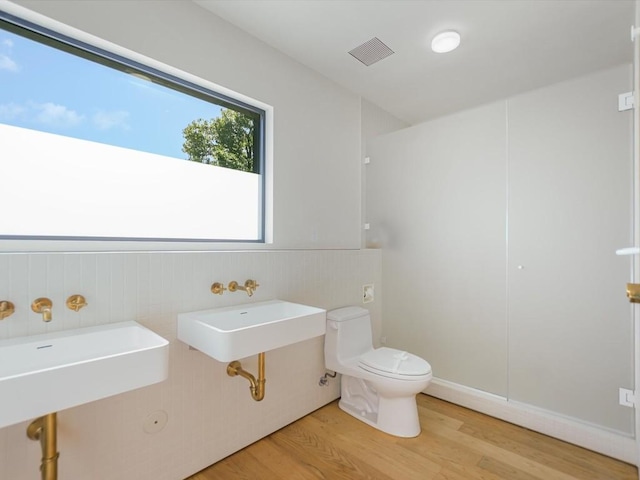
217	288
76	302
6	309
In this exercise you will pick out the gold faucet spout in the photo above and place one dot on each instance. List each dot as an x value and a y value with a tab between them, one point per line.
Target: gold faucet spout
250	286
43	306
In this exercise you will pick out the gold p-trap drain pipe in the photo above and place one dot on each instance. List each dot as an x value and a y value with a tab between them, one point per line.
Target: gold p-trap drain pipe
257	386
45	429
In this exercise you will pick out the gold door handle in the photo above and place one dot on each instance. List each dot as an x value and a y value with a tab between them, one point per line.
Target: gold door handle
633	292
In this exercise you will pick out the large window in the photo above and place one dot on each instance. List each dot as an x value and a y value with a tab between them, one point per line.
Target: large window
97	146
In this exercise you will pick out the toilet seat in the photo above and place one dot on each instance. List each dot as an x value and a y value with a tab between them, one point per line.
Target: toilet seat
392	363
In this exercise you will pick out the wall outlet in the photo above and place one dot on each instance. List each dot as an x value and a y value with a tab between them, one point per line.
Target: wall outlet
368	294
627	398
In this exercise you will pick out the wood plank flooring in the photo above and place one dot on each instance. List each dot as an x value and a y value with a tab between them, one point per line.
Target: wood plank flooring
455	444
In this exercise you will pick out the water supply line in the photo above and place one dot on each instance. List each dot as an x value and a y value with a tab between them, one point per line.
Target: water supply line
256	385
45	429
324	380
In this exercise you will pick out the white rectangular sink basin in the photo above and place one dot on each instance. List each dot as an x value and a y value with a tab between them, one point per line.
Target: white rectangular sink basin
231	333
41	374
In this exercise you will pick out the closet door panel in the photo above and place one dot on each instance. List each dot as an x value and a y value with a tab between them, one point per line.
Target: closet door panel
570	330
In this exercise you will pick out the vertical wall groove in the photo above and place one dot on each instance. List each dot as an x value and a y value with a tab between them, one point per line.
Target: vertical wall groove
507	265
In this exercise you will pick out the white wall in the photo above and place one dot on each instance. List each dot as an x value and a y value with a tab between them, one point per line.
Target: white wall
542	181
316	123
314	260
374	122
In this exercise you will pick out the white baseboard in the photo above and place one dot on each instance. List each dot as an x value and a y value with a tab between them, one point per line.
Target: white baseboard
599	440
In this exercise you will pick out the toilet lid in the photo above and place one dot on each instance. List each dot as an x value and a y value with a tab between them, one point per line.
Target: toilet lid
391	362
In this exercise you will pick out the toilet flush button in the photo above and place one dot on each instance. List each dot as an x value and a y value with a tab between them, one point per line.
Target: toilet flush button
520	267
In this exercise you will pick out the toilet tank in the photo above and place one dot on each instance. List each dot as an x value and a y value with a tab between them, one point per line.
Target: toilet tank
348	335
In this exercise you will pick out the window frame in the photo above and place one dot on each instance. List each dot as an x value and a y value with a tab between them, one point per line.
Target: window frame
44	30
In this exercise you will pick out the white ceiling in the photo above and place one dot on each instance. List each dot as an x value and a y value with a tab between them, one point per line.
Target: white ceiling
508	46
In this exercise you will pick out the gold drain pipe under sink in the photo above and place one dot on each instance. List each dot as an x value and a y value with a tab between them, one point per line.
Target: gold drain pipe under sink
256	385
45	429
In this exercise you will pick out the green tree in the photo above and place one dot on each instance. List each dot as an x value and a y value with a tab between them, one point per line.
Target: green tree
225	141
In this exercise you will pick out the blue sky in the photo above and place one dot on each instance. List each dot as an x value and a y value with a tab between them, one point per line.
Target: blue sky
53	91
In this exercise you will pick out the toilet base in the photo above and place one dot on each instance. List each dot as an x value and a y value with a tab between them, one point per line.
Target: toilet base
396	416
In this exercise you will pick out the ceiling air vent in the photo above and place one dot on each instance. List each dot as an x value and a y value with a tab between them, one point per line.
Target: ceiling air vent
371	52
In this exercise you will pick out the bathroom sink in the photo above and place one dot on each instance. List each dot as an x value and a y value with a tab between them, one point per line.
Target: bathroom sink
230	333
41	374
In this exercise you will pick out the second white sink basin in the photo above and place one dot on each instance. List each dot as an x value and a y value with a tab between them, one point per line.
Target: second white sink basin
231	333
41	374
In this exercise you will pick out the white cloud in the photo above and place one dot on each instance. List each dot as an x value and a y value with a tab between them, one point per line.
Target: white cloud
6	62
57	115
9	111
107	120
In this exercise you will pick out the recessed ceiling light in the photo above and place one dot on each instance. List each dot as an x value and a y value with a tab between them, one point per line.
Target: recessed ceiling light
445	41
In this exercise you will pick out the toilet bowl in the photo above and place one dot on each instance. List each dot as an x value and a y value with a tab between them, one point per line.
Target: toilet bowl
378	386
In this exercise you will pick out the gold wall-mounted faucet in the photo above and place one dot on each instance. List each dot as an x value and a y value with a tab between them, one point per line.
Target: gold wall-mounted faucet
249	286
76	302
6	309
43	305
217	288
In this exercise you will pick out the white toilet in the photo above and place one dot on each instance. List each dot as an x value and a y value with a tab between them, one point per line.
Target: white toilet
379	386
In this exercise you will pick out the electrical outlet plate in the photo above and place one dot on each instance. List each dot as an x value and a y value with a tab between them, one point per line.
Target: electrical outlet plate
368	294
625	101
